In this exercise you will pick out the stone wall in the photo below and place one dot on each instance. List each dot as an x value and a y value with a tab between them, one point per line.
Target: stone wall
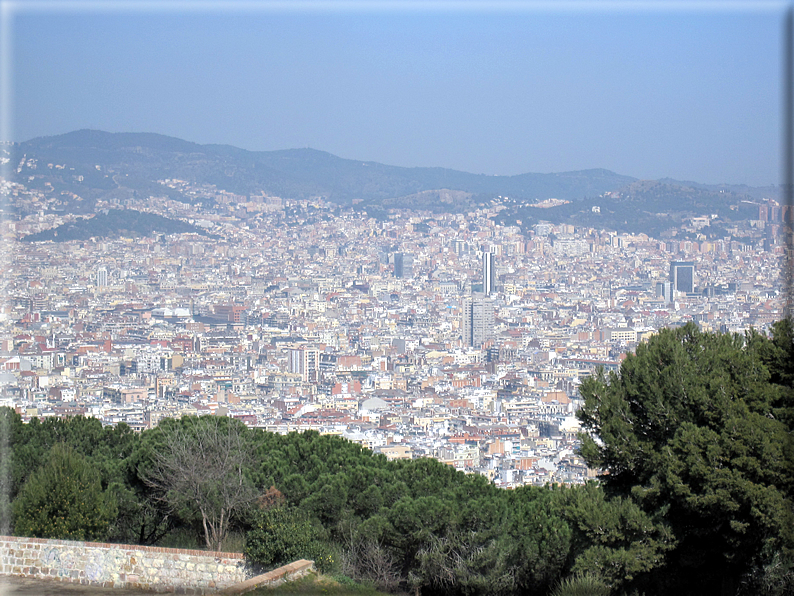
122	565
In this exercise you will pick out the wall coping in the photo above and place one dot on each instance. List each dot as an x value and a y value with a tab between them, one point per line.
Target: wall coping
273	578
109	545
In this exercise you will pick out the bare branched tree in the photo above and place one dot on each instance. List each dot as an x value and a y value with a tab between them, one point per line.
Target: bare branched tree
370	560
202	466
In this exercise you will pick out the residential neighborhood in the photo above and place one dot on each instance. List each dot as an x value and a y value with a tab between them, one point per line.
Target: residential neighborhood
451	336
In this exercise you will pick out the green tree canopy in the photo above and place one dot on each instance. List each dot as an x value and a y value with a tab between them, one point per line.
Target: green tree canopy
64	499
691	428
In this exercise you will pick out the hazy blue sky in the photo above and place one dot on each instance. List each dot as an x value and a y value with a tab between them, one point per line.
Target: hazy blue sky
689	94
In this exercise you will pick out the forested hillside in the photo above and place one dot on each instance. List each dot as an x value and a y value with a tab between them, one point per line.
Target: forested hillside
100	164
115	223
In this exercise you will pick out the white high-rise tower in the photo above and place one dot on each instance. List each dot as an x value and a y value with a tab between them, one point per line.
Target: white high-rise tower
101	277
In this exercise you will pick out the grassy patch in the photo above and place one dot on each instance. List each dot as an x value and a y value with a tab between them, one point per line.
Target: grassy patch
313	584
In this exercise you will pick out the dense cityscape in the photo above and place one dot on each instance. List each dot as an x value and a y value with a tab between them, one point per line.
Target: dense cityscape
451	336
397	298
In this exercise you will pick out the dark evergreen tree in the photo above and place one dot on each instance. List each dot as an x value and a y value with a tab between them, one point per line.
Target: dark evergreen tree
691	429
64	499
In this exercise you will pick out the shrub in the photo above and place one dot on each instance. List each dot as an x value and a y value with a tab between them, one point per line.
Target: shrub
64	499
282	535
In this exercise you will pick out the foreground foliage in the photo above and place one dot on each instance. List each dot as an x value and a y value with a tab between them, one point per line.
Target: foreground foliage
64	499
281	535
694	432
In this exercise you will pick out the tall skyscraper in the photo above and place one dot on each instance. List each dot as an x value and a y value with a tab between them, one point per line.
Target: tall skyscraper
488	273
478	320
101	277
682	276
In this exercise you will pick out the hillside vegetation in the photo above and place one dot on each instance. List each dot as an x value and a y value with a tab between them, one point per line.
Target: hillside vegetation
115	223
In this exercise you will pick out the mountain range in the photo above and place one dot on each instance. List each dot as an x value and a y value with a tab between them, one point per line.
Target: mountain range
92	165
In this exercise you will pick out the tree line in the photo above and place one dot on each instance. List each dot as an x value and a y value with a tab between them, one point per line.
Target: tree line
694	435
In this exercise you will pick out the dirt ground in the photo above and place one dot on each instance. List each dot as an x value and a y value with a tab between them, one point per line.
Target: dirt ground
19	586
